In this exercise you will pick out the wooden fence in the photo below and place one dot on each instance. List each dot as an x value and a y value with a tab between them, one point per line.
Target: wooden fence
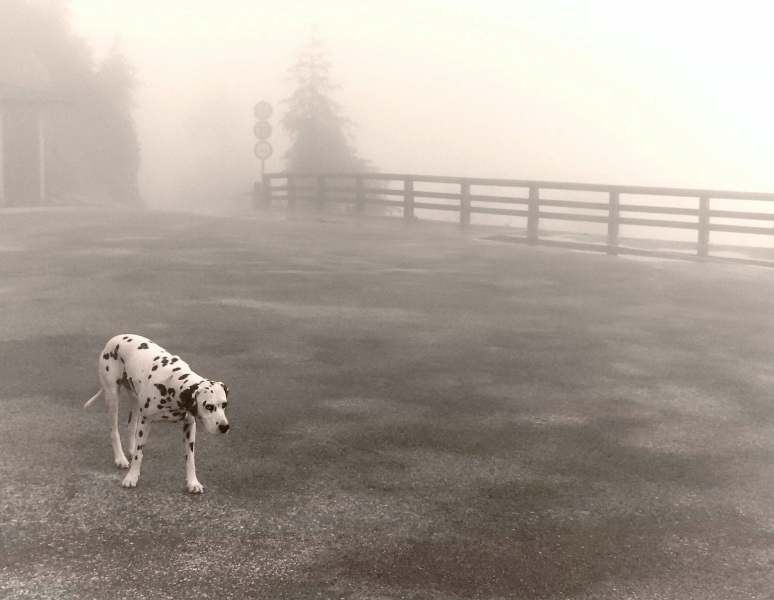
612	205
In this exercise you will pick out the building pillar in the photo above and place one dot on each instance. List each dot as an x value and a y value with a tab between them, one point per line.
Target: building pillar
42	155
2	161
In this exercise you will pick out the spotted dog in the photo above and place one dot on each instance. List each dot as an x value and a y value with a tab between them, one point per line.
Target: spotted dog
161	387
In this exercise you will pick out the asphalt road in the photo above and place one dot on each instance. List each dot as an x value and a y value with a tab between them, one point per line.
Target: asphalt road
416	413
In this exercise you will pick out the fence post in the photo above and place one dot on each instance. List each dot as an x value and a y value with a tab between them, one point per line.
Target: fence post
704	231
613	223
465	202
408	198
291	192
320	192
359	193
533	217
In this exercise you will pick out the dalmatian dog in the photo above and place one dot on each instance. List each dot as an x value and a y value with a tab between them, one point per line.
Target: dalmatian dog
161	387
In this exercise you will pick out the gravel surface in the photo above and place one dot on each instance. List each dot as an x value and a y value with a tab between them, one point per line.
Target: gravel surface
416	413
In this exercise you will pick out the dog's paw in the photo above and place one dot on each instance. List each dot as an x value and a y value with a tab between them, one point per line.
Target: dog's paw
194	487
122	463
130	481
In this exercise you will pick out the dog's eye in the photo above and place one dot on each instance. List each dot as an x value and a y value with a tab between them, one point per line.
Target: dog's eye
209	407
225	404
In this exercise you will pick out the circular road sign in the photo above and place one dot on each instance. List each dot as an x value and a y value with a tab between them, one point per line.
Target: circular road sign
262	130
263	150
262	110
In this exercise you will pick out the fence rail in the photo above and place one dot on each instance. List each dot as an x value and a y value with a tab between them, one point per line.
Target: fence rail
615	205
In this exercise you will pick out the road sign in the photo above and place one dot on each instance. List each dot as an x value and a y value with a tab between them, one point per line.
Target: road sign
262	130
263	150
262	110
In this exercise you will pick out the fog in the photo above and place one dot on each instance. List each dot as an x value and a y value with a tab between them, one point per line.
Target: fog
643	93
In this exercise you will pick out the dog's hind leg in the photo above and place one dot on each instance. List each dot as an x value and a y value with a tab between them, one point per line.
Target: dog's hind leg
111	398
134	417
143	427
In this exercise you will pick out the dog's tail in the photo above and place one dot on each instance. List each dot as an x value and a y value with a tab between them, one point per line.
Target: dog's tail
93	398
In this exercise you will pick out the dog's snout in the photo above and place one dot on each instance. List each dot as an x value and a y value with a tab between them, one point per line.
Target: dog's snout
224	428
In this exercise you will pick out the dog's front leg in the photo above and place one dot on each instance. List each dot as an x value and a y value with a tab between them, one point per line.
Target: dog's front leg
143	426
189	429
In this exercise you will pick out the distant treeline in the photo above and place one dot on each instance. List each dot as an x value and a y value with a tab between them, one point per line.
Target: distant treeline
91	146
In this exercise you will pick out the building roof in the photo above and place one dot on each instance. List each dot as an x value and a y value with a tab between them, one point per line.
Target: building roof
26	95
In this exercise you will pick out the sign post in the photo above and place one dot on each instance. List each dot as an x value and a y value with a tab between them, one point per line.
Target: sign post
263	150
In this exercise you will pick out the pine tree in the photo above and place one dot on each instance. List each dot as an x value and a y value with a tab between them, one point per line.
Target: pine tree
116	139
321	136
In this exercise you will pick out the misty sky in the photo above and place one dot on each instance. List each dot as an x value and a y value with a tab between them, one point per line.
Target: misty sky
676	93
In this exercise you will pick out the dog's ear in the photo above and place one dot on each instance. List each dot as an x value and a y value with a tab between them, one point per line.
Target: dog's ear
225	387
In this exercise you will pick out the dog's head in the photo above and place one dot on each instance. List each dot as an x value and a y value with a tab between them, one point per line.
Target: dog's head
211	402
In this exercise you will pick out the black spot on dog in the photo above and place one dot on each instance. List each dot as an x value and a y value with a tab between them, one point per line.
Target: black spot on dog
107	368
126	337
187	400
162	389
164	362
125	382
143	346
156	358
183	376
139	447
130	417
114	354
171	392
139	433
191	446
154	367
106	356
175	369
175	359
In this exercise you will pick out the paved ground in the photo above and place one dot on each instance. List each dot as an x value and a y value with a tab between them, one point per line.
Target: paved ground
415	414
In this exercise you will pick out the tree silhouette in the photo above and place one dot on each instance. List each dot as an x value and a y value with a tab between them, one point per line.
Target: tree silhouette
116	139
321	136
91	143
